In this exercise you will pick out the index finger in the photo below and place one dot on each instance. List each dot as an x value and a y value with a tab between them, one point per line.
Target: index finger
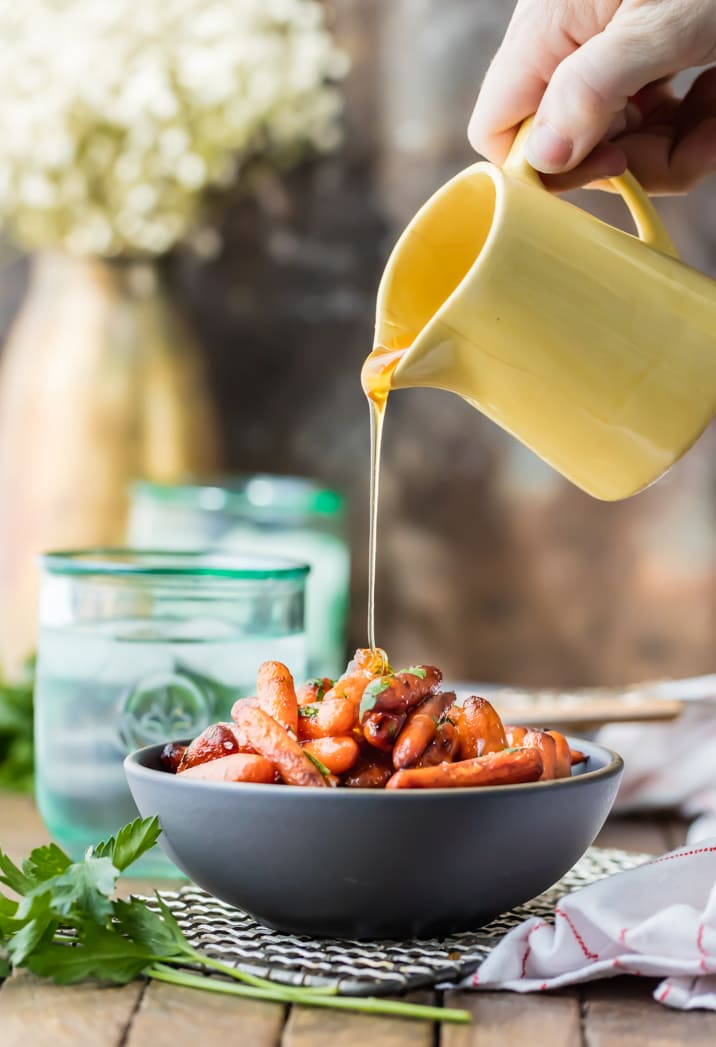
504	101
513	86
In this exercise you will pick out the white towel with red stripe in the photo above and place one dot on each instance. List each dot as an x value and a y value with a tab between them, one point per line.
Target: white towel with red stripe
658	920
670	765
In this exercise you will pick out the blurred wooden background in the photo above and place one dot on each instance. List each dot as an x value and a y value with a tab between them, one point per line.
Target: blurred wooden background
490	565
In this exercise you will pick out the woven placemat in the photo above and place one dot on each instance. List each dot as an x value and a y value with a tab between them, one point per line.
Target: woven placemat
366	967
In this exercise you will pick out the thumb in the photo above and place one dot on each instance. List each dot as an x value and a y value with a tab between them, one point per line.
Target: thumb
586	91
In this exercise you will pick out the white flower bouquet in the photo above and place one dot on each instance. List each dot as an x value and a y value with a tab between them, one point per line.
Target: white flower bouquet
118	117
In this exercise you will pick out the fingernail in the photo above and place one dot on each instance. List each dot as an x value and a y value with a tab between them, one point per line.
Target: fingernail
546	150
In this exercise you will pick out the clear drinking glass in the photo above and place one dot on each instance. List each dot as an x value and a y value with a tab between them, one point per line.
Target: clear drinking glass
137	647
281	515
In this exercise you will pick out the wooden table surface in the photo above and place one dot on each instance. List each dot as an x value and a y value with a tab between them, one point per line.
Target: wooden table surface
615	1013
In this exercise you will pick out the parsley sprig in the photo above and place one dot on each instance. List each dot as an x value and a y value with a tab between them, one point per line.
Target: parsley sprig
370	694
414	670
68	926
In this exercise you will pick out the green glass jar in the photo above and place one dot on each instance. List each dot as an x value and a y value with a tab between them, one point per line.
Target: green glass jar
138	647
276	515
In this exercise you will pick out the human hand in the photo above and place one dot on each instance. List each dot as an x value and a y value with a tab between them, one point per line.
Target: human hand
597	74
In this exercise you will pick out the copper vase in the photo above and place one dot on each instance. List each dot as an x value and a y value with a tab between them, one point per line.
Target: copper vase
101	382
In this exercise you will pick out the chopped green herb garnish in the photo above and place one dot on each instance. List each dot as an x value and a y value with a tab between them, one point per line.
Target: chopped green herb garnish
414	670
309	711
67	926
514	749
320	684
317	763
376	687
392	729
447	719
370	694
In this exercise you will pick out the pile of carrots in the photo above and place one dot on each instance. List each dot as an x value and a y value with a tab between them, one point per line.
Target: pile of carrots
373	728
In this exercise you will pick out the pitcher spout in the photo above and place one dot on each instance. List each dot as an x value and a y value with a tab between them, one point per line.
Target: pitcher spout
429	263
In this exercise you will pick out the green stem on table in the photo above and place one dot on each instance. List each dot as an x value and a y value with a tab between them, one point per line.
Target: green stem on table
260	983
281	994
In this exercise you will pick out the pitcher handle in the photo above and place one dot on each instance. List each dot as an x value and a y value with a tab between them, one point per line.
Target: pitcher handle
648	224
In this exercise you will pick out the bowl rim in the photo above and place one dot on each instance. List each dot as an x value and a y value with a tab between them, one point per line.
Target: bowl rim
614	764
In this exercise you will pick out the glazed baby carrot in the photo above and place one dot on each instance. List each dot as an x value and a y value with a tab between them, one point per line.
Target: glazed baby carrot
219	739
171	756
239	767
543	741
420	728
273	741
399	692
504	768
337	754
250	702
380	729
480	728
563	755
276	694
331	717
352	686
444	746
371	771
313	691
374	662
515	736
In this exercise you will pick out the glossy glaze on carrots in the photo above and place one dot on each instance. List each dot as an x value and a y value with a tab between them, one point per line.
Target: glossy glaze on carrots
373	728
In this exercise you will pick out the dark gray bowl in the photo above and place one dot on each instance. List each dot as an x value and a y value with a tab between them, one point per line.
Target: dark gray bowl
373	864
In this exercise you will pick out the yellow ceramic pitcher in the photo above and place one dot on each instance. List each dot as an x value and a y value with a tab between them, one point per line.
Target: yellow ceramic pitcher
593	347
